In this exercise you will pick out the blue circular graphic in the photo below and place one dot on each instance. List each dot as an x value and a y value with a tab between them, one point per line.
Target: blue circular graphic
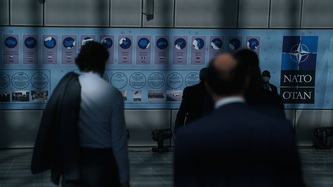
86	39
50	42
144	43
20	80
137	80
174	80
252	43
156	80
192	79
30	42
180	43
11	42
119	80
39	80
107	42
4	80
69	43
216	43
198	43
234	44
125	43
162	43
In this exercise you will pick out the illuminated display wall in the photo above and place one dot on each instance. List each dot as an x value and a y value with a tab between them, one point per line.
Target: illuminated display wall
151	67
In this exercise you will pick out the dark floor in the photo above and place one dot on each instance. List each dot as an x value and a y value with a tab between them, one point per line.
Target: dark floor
151	169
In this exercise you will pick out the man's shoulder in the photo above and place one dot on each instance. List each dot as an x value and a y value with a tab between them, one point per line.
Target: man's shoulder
247	112
195	86
68	76
234	116
273	122
189	88
272	85
112	90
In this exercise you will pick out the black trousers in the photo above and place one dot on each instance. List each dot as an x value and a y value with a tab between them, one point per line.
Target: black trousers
98	168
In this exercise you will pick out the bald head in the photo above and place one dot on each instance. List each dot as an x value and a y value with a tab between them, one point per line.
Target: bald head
225	77
224	63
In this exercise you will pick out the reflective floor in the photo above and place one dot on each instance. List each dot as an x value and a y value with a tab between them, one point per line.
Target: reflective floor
151	169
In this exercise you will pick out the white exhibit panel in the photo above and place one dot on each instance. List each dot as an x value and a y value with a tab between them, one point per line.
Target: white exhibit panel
162	11
307	121
19	128
26	12
141	123
285	14
77	13
317	14
126	13
253	14
4	12
206	14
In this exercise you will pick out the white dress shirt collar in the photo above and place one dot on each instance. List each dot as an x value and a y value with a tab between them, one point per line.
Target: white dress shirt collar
228	100
90	73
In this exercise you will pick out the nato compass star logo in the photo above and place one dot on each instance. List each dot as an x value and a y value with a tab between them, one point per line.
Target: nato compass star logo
299	52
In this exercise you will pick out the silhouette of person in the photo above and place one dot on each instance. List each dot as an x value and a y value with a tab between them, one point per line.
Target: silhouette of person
192	105
82	137
268	102
266	76
235	145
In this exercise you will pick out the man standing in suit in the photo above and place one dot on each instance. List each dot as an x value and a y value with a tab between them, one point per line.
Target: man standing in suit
266	75
192	105
235	145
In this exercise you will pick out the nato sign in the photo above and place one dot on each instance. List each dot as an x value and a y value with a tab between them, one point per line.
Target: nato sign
298	67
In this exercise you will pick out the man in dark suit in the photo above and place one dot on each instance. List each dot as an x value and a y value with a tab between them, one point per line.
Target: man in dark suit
266	76
235	145
192	105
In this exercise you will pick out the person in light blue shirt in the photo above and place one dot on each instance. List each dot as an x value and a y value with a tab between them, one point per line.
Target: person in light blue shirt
101	124
82	138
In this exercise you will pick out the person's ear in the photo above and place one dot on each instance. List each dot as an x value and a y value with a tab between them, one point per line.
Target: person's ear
209	90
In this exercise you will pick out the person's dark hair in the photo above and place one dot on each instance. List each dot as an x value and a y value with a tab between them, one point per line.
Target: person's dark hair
225	82
203	74
266	73
249	60
92	57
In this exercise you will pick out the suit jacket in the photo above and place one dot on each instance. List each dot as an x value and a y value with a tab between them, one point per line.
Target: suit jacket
236	146
57	142
192	105
274	88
